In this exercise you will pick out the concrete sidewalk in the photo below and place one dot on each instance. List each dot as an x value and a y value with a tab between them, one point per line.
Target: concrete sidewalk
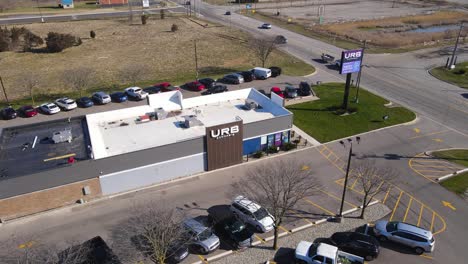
305	136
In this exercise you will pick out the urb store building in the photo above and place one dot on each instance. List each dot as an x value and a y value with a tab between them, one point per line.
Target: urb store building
168	138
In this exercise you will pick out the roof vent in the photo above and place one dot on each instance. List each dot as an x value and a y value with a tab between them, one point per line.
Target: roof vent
160	114
191	121
250	104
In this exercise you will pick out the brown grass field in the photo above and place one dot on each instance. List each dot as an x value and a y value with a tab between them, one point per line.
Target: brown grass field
167	56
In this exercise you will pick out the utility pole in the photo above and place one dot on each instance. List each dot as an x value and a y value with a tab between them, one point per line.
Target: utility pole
40	12
456	46
4	91
130	10
358	81
196	59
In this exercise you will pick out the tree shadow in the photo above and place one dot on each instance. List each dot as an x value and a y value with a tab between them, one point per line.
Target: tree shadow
464	95
284	255
213	70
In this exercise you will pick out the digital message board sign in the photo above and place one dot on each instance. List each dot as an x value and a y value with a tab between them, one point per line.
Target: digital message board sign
351	61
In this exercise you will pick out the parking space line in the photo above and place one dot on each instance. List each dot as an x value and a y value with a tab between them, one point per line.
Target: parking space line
407	209
430	134
302	217
420	214
386	195
396	205
354	183
320	207
259	238
284	229
202	259
338	198
426	256
432	222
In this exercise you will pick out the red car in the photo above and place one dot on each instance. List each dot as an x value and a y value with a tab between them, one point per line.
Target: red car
28	111
277	91
195	86
166	87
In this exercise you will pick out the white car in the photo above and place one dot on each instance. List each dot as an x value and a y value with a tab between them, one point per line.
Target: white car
136	93
266	26
50	108
66	103
252	213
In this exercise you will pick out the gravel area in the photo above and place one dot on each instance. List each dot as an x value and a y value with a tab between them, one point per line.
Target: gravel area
263	252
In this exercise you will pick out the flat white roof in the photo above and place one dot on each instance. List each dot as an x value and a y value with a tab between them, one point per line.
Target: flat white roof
118	132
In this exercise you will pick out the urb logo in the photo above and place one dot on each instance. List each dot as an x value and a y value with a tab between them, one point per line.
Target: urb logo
224	132
353	55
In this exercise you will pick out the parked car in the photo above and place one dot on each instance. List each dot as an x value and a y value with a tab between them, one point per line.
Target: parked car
290	91
28	111
101	98
136	93
275	71
66	103
356	243
417	238
305	89
152	89
166	87
177	252
321	253
266	26
280	39
84	102
228	13
195	86
234	231
8	113
219	88
277	91
247	75
252	213
202	237
50	108
261	73
232	78
118	97
337	63
208	82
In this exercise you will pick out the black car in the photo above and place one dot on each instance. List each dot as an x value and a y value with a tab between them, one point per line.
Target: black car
235	231
275	71
84	102
177	253
357	243
304	89
280	39
208	82
8	113
219	88
248	76
152	89
119	97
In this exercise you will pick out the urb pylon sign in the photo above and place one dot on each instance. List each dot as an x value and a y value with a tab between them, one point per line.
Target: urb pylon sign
351	61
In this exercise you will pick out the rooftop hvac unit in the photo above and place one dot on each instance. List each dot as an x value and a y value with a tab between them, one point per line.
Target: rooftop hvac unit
191	121
250	104
160	114
62	136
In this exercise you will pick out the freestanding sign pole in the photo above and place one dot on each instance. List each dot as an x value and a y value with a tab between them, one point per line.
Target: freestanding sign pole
346	91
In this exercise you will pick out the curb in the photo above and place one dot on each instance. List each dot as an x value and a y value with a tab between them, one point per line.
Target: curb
312	74
448	176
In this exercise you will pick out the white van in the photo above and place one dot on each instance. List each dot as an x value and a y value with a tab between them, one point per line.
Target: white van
261	73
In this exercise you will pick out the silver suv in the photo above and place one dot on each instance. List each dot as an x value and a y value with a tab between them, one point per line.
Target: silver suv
252	213
202	238
415	237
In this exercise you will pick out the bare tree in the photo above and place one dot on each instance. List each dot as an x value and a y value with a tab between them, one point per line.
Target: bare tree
133	73
372	180
79	78
30	82
262	47
278	187
149	233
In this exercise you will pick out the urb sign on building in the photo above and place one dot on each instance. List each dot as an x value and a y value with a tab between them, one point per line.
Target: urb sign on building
351	61
224	145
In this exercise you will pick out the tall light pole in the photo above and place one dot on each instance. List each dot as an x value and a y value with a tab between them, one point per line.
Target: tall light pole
4	91
358	81
350	141
40	12
196	59
456	46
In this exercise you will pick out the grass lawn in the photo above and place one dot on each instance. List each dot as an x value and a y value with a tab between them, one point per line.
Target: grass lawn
457	76
165	56
457	184
318	118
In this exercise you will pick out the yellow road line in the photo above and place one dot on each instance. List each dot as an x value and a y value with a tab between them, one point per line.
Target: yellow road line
432	222
433	161
429	134
436	170
449	167
426	256
407	209
420	214
318	206
396	205
411	166
329	154
259	238
378	188
443	223
282	228
202	259
337	198
386	195
354	183
303	218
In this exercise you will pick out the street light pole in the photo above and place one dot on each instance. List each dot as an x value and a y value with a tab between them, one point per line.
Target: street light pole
40	12
346	180
456	46
4	91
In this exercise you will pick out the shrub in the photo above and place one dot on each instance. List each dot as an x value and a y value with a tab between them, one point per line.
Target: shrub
92	34
144	18
460	72
258	154
57	42
174	28
288	146
162	14
272	149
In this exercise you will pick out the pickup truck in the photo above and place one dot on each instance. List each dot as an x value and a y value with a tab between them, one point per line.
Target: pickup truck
321	253
327	57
